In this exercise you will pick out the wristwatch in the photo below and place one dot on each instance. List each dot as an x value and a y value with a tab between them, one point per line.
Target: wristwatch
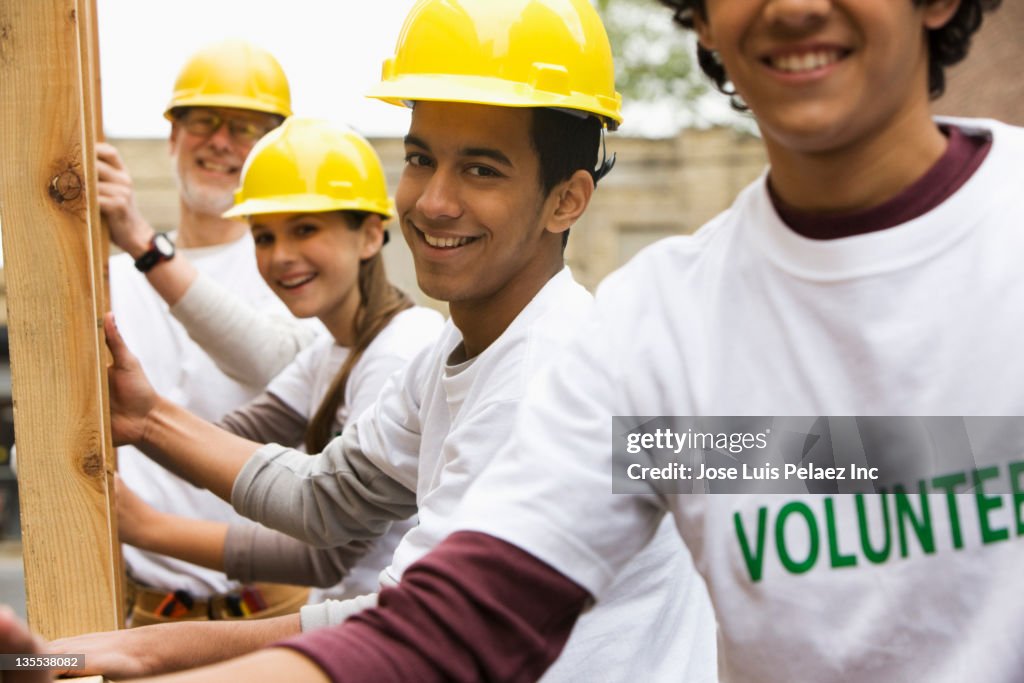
161	248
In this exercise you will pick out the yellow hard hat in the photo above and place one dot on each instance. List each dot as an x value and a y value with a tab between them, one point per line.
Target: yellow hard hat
309	166
232	73
508	53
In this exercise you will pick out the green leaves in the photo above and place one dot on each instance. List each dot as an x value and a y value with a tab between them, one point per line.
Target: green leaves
655	60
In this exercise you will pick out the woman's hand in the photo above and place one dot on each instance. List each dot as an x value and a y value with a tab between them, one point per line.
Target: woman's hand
132	397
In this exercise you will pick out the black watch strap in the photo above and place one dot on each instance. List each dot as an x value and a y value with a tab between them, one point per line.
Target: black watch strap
161	248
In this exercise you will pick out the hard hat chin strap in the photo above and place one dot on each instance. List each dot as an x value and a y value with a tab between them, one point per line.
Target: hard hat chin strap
607	162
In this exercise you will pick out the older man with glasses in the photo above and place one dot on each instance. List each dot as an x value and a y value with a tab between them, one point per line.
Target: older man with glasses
165	286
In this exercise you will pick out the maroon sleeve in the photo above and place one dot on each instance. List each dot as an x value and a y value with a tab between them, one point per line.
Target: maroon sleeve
476	608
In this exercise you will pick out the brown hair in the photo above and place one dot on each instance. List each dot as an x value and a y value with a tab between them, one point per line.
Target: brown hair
379	303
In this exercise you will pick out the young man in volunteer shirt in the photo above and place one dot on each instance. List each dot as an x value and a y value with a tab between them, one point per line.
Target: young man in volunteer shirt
494	179
874	270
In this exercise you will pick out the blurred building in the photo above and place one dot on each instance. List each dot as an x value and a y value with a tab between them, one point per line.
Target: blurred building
659	187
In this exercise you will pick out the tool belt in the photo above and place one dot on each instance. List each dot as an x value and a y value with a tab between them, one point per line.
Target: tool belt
257	601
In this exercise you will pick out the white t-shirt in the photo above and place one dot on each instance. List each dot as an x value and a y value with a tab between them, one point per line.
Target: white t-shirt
183	373
436	427
748	318
304	383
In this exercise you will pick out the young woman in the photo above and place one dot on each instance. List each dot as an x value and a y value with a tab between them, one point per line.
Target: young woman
315	197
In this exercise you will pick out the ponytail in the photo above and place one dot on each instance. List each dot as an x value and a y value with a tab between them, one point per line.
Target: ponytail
380	302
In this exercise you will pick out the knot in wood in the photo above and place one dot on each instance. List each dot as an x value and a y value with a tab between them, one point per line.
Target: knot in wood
66	186
92	465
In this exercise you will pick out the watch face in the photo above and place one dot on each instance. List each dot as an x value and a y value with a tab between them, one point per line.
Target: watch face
161	249
163	245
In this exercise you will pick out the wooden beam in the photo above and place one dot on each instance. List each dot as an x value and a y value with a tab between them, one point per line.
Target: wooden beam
53	247
92	104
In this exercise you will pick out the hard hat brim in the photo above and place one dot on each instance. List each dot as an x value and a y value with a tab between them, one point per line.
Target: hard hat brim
490	91
308	203
227	101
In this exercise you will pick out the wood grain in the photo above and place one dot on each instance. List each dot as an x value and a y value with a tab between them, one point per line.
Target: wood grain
53	265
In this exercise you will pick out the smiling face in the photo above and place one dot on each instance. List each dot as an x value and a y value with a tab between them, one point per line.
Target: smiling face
822	75
208	165
311	262
482	234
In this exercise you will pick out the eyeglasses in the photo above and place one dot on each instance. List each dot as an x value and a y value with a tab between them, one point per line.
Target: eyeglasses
206	122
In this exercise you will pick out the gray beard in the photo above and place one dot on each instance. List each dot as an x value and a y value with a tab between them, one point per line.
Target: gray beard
204	201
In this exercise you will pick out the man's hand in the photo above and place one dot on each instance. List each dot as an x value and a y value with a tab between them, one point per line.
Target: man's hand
165	648
132	397
118	654
15	638
128	229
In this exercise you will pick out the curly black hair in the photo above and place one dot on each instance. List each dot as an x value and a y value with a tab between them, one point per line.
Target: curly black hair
946	46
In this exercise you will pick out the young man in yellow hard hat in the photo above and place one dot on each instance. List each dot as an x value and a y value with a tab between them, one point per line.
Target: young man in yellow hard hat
226	97
874	270
509	101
